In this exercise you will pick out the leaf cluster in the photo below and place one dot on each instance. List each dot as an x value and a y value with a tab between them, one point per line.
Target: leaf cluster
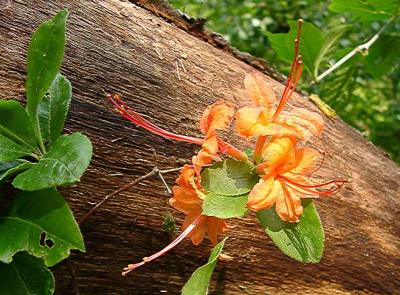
38	230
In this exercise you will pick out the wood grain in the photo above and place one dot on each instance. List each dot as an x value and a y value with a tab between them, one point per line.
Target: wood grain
122	48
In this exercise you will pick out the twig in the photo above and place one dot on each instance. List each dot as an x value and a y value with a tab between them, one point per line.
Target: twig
127	186
165	183
360	48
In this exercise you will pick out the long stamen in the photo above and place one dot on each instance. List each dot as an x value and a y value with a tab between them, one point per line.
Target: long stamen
313	189
293	78
125	111
295	68
290	87
175	242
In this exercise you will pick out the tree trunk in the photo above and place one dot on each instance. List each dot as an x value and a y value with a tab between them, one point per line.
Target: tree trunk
120	47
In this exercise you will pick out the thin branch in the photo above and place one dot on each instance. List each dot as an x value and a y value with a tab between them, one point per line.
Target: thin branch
127	186
165	183
360	48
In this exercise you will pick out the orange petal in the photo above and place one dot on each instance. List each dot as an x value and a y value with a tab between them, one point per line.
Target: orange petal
216	116
186	178
288	205
259	192
215	226
199	232
209	150
308	160
272	129
248	119
259	89
303	123
270	198
278	150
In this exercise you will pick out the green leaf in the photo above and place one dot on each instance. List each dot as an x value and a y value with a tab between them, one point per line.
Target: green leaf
42	224
10	168
312	40
26	275
225	206
229	178
15	124
330	40
45	54
366	10
249	152
303	241
53	109
198	282
64	164
10	150
383	56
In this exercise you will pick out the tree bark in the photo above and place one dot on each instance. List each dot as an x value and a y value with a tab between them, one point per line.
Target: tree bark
120	47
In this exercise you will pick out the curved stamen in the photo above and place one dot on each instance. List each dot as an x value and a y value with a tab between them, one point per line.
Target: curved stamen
290	86
163	251
312	193
125	111
312	189
294	74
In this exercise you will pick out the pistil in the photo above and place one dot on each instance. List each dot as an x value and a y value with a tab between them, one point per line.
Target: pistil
169	247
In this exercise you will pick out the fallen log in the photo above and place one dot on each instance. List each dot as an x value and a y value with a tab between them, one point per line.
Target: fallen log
170	75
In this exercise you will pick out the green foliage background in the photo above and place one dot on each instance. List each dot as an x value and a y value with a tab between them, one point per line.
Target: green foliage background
364	91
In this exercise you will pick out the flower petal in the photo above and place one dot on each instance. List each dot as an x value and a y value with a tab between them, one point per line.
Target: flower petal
209	150
253	121
216	116
259	193
199	232
186	178
215	227
307	160
184	200
302	122
288	205
259	90
274	191
278	151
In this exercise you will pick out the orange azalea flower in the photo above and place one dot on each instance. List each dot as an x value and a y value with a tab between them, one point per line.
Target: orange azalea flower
216	117
263	119
284	180
188	199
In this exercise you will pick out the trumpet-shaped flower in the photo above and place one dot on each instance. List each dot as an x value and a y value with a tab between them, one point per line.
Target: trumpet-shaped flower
264	119
284	179
188	198
216	117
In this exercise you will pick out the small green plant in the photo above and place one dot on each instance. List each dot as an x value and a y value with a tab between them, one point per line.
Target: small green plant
38	230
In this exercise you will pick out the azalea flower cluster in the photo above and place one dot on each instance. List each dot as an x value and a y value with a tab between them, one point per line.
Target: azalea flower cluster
281	159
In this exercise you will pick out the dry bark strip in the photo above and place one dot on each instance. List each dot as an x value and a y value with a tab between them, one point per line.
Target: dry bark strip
122	48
